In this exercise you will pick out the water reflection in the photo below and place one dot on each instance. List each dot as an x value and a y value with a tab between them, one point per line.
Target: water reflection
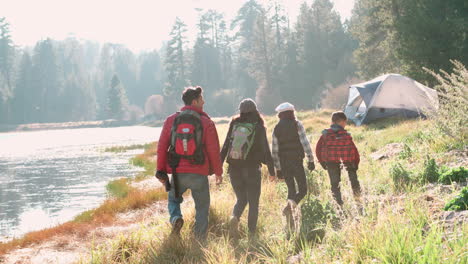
48	177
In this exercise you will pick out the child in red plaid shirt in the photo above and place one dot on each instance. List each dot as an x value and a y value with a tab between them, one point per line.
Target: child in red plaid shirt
336	147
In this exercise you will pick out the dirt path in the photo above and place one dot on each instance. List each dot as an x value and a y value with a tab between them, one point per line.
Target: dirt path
70	248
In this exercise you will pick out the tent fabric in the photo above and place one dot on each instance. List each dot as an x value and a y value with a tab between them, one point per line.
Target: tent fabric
389	95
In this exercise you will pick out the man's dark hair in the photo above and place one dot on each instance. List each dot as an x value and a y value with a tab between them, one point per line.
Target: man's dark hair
190	94
338	116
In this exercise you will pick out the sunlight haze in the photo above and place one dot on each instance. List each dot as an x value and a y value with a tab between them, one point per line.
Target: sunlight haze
139	24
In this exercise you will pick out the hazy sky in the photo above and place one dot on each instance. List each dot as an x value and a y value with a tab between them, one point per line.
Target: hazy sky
139	24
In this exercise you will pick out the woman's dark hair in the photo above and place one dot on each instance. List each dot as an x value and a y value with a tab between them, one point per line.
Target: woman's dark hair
250	117
287	115
190	94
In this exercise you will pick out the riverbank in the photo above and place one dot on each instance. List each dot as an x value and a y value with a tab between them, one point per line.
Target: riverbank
88	124
65	125
401	218
125	195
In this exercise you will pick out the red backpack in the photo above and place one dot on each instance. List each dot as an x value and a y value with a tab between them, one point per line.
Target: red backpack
186	138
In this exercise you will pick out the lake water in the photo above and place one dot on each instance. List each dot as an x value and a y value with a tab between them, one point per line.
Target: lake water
48	177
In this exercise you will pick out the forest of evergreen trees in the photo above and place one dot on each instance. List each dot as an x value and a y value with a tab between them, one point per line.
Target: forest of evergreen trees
259	54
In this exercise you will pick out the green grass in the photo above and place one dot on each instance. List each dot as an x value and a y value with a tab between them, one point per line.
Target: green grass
118	188
398	226
118	149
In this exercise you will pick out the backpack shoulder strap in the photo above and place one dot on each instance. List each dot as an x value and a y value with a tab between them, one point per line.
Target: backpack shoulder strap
192	113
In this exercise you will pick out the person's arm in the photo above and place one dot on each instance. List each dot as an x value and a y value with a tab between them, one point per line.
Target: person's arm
163	146
227	143
267	158
305	142
275	151
356	157
213	149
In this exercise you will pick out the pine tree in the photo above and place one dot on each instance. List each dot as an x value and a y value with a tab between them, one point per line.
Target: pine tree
262	58
78	99
373	25
117	101
430	34
206	67
23	100
6	52
102	78
175	61
47	82
6	67
126	68
150	77
245	23
323	48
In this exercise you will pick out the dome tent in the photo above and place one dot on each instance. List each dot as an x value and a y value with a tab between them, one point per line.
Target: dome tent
389	95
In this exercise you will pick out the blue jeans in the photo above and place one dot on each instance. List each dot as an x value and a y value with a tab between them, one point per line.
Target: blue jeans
200	188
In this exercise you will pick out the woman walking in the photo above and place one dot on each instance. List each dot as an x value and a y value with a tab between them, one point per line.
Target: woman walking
289	147
245	149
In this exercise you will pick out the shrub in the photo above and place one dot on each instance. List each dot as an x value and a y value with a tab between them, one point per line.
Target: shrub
450	118
223	103
406	153
459	174
430	171
118	188
154	106
133	113
459	203
315	216
336	97
401	177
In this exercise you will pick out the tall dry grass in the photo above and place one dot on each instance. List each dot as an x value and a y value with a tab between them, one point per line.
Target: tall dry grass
393	226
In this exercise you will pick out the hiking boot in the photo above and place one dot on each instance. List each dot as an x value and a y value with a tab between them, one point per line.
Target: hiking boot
287	210
293	204
234	225
177	226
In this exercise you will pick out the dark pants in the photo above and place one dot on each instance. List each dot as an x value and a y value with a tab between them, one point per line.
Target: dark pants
247	183
293	172
334	171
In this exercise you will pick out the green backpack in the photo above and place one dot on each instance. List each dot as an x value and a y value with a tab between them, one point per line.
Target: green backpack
242	139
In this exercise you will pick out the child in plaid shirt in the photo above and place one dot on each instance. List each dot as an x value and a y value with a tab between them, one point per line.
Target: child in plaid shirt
289	147
336	147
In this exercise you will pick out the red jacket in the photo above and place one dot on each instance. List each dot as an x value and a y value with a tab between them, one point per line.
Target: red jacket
211	148
336	145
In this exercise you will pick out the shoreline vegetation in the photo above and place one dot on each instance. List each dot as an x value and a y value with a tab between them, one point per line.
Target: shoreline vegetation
402	219
118	149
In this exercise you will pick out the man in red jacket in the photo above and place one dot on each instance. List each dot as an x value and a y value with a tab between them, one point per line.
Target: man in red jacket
336	147
190	174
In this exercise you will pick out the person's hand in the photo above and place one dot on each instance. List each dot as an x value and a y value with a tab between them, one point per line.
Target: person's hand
311	165
324	165
162	177
279	174
219	179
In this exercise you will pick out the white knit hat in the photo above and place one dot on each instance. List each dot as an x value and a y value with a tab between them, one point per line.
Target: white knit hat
284	107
